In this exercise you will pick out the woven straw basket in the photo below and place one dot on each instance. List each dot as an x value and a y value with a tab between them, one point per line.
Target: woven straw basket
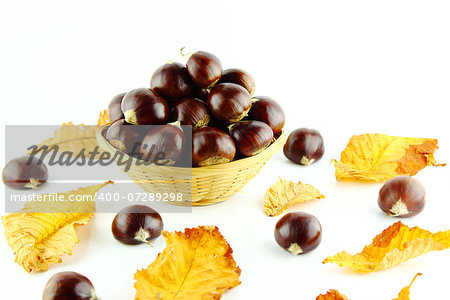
198	185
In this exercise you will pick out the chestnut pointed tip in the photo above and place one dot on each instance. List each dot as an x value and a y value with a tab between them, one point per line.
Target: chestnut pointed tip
295	249
33	183
399	209
176	124
130	117
142	235
306	161
185	55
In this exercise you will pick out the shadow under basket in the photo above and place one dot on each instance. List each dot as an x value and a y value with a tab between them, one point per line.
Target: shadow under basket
197	185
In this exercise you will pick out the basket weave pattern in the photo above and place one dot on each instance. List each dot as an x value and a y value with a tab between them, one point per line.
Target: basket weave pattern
199	185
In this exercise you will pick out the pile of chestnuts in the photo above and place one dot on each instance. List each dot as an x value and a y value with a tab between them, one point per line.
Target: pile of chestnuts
227	122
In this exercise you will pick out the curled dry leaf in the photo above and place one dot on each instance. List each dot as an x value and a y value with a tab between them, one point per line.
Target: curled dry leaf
196	264
284	193
43	231
404	293
103	118
395	245
332	295
379	157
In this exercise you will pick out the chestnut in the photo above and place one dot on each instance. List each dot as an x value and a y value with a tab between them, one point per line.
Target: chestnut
251	137
125	137
402	196
240	77
144	107
69	285
163	144
204	68
298	232
172	81
211	146
267	110
25	172
304	146
229	102
137	224
191	111
114	108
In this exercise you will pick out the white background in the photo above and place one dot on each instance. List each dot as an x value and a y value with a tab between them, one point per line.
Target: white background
342	67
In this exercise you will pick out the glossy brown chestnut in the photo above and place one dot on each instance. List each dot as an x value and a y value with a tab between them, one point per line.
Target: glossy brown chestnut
304	146
251	137
69	285
204	68
191	111
144	107
114	108
164	144
25	172
402	196
137	224
172	82
125	137
267	110
229	102
211	146
298	232
240	77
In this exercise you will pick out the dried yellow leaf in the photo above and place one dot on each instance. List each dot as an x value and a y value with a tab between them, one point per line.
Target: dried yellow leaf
196	264
284	193
71	138
404	293
379	157
103	118
395	245
332	295
43	231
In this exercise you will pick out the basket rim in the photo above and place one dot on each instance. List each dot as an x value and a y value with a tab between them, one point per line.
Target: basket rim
269	151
